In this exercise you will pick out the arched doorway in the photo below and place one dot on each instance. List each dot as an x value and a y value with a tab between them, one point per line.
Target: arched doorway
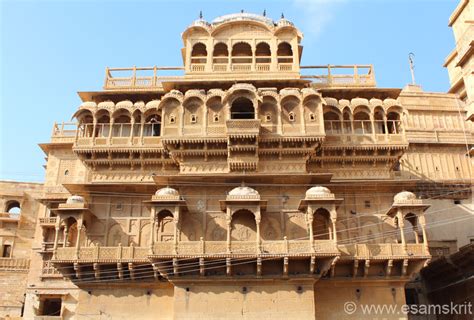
321	225
242	108
165	226
243	226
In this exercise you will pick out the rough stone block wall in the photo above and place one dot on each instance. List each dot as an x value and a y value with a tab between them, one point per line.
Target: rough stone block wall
12	289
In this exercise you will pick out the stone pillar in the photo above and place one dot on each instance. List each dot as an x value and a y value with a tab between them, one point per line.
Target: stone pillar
334	233
259	241
153	229
401	225
111	124
55	245
65	236
385	124
78	239
311	232
422	222
175	236
228	220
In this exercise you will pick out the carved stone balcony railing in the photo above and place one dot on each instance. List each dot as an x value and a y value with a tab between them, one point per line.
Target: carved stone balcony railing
9	217
102	254
340	76
140	78
48	318
49	271
383	251
48	221
64	132
14	264
243	127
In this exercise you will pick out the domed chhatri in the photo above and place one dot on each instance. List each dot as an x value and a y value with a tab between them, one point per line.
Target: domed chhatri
242	16
75	199
243	192
319	192
166	193
404	196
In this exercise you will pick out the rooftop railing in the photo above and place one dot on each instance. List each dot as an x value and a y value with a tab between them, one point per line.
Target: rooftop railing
147	78
340	75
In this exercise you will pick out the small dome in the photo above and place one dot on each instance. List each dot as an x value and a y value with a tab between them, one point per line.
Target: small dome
200	23
318	191
284	23
243	191
404	196
167	191
75	199
242	16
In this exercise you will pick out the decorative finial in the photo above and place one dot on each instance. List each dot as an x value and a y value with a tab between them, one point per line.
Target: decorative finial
282	16
200	14
411	60
242	11
264	12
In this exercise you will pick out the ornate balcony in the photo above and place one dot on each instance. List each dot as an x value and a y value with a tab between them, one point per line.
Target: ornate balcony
48	221
243	128
14	264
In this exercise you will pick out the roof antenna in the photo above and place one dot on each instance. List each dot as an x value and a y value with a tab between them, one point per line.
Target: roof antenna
200	14
264	12
282	16
411	60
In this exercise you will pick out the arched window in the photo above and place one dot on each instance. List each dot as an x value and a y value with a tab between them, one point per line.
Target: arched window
198	53
121	127
103	124
362	123
165	226
241	53
13	208
220	53
393	123
152	125
410	228
285	53
242	108
244	227
321	225
263	53
332	122
379	121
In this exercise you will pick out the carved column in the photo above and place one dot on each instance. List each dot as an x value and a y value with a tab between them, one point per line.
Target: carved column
310	225
175	236
65	236
334	233
280	123
259	242
153	228
422	221
132	125
78	239
228	221
385	124
142	125
111	124
94	130
55	245
401	225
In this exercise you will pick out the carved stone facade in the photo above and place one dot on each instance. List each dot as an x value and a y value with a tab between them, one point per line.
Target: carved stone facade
244	183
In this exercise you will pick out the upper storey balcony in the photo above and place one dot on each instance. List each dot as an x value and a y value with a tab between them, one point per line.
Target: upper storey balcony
240	47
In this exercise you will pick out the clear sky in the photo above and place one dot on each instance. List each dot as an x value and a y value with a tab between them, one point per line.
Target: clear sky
50	50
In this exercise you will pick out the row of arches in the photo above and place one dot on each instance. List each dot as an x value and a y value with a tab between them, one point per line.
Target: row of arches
362	120
241	52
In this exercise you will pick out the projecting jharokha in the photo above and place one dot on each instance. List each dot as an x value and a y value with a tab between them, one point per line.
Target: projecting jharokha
249	186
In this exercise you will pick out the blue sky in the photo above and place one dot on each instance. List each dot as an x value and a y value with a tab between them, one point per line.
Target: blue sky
52	49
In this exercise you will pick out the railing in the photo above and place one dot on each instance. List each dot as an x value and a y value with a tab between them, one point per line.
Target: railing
340	75
63	132
14	264
243	126
382	250
9	215
362	127
98	253
48	221
49	271
140	78
48	318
